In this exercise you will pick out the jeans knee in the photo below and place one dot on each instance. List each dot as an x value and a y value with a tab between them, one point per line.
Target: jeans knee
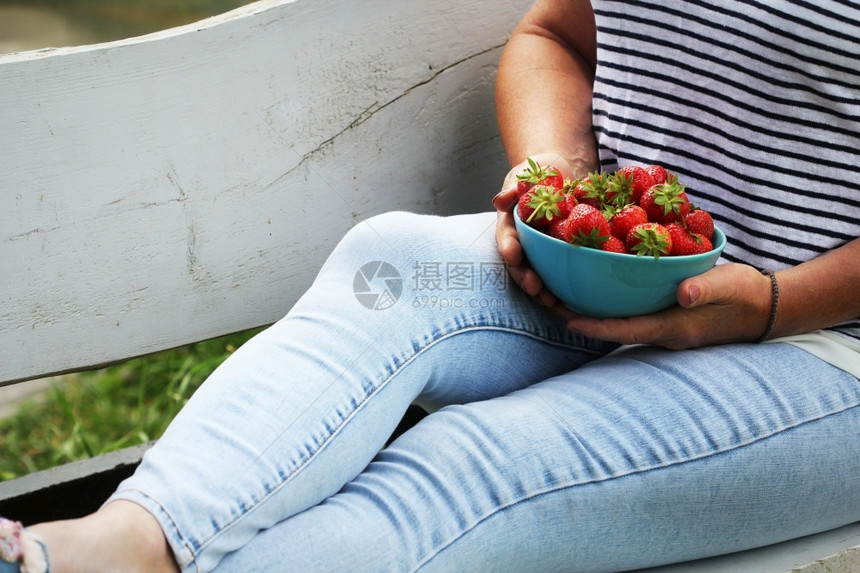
393	227
391	236
455	248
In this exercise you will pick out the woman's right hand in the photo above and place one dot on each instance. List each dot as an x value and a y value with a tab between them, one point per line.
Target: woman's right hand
507	238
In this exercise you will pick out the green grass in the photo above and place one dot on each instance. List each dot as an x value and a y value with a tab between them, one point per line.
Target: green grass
95	412
116	19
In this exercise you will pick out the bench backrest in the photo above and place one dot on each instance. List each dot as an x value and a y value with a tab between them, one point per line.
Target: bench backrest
186	184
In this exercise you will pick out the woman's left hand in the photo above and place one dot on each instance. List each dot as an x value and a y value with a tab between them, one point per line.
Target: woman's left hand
728	303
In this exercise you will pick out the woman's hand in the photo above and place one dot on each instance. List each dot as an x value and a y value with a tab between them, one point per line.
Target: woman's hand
728	303
732	303
507	238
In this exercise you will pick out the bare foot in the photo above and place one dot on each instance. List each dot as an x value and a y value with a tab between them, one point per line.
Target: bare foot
121	537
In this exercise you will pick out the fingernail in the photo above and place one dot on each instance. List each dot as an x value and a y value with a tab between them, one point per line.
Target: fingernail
504	199
496	199
693	293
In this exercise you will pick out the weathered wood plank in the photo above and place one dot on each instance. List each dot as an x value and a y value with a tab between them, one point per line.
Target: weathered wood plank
68	491
835	551
144	183
80	488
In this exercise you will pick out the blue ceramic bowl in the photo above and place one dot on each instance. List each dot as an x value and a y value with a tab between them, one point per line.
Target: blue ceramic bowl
602	284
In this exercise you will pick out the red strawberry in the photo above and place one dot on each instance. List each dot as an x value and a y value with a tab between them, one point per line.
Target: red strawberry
658	172
614	245
666	202
700	221
706	245
592	189
586	226
566	205
651	239
557	229
627	185
686	243
557	225
625	219
540	205
534	174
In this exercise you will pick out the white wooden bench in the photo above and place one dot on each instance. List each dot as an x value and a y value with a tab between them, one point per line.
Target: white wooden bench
161	190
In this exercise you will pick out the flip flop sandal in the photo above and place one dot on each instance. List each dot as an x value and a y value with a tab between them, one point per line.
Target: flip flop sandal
20	550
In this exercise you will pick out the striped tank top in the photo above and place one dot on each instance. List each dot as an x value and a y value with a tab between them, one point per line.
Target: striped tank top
755	104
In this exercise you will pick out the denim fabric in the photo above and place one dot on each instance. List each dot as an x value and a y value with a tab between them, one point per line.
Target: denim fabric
544	451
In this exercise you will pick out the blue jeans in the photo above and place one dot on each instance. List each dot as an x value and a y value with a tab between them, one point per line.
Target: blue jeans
543	451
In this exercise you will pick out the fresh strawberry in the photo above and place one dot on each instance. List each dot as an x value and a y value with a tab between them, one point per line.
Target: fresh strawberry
566	205
557	229
593	212
649	239
586	226
686	243
627	185
614	245
540	205
570	186
621	221
592	189
706	245
666	202
648	202
658	172
558	224
700	221
534	174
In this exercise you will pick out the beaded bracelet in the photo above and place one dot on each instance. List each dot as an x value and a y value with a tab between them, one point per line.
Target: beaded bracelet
774	302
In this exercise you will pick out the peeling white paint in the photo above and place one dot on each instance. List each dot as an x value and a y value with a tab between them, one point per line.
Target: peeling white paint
147	186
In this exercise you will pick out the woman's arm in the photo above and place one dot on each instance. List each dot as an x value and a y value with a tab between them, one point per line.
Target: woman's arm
821	292
543	100
544	85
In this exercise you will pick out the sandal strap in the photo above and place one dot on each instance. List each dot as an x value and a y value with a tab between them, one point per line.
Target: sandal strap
11	548
21	548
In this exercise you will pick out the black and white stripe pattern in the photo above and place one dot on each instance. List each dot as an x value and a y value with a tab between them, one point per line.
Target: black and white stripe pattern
754	103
